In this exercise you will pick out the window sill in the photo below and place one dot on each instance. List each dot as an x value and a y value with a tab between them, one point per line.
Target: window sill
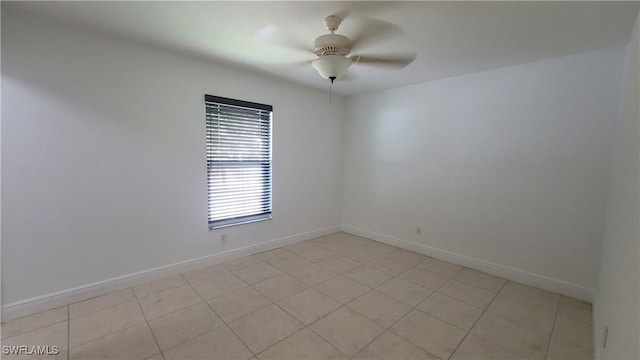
233	222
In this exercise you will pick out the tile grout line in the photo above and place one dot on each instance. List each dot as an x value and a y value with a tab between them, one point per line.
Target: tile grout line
341	307
435	291
555	318
146	321
102	309
400	318
113	332
310	287
173	311
136	298
68	332
447	321
415	307
518	323
507	319
278	305
573	341
370	290
388	328
220	317
252	287
304	326
35	328
478	319
308	327
163	290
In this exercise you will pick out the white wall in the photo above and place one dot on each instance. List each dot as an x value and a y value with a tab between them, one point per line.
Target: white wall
103	157
506	168
617	302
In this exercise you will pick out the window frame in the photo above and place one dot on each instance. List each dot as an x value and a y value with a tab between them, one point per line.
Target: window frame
266	173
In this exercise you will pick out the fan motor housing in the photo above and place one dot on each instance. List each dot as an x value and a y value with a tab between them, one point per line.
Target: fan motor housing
332	44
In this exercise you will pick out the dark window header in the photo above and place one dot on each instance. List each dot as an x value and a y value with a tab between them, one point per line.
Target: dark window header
234	102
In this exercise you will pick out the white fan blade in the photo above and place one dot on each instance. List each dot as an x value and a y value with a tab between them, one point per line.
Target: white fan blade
396	61
275	35
369	31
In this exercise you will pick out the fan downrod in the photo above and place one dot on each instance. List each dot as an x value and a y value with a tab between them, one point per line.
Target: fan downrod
332	22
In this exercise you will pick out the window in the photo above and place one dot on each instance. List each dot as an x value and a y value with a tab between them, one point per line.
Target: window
238	161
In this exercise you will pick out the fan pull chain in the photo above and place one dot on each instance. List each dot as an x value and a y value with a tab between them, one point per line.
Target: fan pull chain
332	78
330	86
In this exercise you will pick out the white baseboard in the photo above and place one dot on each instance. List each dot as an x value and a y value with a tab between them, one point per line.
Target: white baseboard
521	276
69	296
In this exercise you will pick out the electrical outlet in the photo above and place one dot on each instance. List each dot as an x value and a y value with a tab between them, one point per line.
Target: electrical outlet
419	230
223	237
605	336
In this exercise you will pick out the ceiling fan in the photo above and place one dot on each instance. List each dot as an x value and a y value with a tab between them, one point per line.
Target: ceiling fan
333	50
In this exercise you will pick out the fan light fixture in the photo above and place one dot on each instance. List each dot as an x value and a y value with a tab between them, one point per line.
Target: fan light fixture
331	66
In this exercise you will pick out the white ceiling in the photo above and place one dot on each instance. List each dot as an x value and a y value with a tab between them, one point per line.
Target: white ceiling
449	38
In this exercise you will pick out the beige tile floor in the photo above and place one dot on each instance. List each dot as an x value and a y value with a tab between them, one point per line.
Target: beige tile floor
334	297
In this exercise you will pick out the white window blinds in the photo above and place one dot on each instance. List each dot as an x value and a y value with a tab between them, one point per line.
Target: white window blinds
238	161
